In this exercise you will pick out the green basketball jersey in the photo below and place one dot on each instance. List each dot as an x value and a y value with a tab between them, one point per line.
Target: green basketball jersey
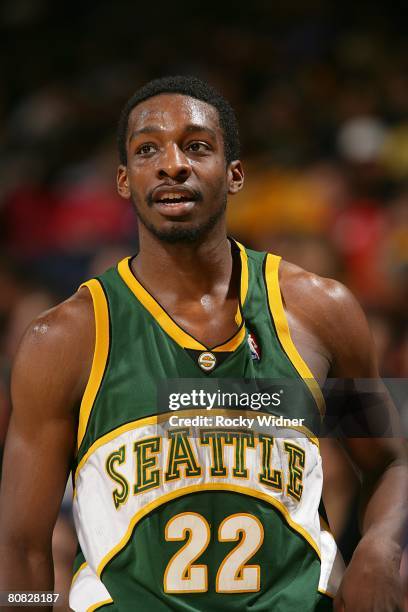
175	512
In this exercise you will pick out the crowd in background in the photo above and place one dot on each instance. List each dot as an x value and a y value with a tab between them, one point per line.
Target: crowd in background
321	94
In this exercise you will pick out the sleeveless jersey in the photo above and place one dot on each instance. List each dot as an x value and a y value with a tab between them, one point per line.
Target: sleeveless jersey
197	517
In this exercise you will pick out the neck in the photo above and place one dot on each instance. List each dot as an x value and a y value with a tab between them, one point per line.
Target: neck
185	269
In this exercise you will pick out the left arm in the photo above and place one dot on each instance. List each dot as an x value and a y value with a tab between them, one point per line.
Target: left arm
332	334
371	582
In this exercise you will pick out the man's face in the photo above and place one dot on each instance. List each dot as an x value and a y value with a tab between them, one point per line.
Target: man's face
176	172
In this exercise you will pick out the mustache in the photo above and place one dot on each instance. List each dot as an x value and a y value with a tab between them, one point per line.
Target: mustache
196	195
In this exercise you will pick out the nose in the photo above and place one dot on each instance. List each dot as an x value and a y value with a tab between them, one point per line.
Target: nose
174	164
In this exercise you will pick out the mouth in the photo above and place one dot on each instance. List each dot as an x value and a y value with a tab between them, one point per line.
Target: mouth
174	202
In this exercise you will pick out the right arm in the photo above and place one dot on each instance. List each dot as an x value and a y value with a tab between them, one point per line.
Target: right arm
48	379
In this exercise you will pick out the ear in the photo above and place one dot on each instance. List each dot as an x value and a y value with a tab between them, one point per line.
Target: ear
122	183
235	177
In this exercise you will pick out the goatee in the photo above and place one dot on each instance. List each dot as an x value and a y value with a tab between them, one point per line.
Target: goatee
177	233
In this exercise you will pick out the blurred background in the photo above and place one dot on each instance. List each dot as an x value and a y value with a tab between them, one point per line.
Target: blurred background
321	93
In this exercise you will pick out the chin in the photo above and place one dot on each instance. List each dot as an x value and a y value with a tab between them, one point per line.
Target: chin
179	233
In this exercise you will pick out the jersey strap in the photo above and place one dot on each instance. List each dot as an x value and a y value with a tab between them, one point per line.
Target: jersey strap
282	329
100	357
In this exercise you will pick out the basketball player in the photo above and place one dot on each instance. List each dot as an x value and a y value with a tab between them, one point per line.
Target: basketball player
177	518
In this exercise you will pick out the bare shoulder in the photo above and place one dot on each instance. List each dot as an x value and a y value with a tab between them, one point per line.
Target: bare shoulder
331	312
68	325
323	295
56	350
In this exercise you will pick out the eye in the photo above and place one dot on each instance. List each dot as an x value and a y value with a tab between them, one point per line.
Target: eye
198	147
146	149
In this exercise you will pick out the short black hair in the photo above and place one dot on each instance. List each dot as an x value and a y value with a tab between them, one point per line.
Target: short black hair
187	86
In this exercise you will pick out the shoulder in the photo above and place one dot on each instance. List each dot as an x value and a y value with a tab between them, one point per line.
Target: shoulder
323	295
57	348
63	324
331	312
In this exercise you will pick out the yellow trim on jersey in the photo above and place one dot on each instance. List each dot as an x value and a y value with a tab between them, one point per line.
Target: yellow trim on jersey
94	606
244	272
196	489
79	570
231	344
99	605
101	351
163	319
323	592
166	322
324	525
282	329
155	419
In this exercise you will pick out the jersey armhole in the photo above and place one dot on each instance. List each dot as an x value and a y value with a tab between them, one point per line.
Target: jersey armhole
282	329
100	356
243	290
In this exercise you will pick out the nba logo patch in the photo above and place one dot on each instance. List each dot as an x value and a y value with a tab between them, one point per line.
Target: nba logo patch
254	347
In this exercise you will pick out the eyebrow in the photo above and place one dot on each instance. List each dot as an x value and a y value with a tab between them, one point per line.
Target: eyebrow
192	127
